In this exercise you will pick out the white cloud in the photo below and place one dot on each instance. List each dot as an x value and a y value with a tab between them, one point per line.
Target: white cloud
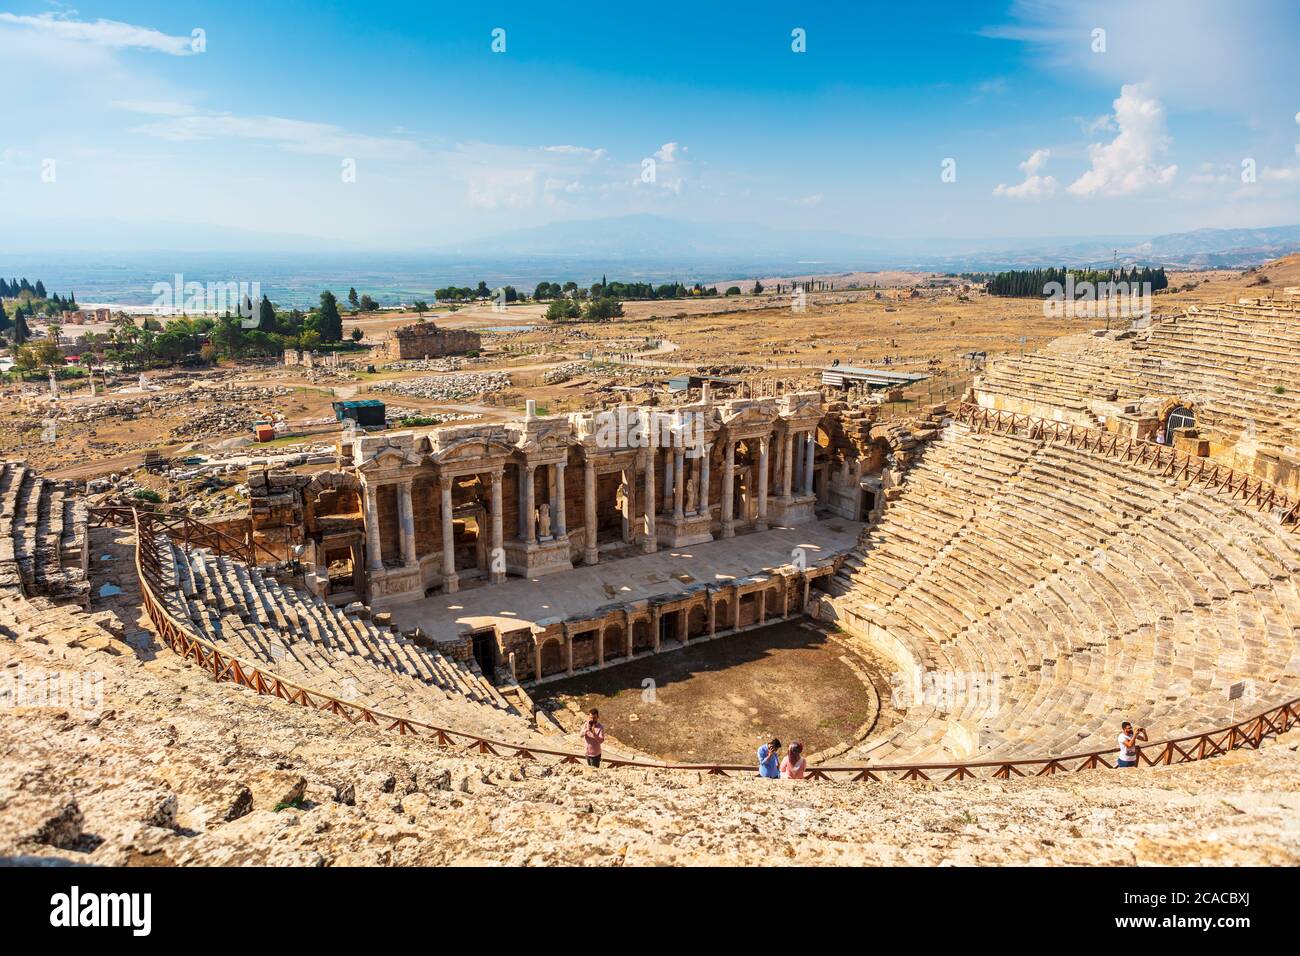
300	136
520	177
1242	62
1221	173
104	33
667	153
1034	186
154	107
1131	162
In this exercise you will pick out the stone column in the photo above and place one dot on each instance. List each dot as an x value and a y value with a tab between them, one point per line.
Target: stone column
654	625
600	646
629	505
530	505
591	553
537	651
374	549
704	479
568	640
559	524
496	562
679	486
651	542
449	583
760	521
729	489
787	465
406	521
670	479
809	449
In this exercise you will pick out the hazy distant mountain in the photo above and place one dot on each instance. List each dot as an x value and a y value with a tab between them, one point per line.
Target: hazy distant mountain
647	244
100	234
659	237
648	239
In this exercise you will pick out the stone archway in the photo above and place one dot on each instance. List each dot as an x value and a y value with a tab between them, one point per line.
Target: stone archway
697	622
615	642
551	658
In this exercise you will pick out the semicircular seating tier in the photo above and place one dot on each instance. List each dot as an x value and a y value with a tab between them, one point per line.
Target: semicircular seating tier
42	535
303	640
1085	590
1236	363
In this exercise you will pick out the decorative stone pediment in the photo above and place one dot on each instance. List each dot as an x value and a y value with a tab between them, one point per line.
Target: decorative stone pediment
800	405
374	454
470	449
744	412
542	437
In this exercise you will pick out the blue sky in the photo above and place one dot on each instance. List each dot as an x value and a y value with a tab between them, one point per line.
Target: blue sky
254	126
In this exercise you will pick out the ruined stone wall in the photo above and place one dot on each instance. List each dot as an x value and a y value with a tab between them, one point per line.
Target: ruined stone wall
426	340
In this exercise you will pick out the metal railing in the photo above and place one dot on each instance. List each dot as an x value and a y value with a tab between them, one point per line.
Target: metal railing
183	639
1158	459
186	532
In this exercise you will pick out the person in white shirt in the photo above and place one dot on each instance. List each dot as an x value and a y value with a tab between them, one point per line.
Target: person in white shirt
1127	740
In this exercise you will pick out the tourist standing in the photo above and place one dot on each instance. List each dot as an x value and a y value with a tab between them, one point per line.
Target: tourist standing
792	767
769	759
1128	738
593	735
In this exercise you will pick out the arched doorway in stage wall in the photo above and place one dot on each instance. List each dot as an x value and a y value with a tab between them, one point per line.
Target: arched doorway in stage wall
749	608
615	643
553	661
584	648
643	638
697	621
722	615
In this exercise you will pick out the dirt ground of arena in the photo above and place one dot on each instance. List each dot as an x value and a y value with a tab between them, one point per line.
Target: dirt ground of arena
719	700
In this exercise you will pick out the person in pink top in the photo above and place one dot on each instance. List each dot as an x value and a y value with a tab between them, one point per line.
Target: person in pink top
593	735
792	766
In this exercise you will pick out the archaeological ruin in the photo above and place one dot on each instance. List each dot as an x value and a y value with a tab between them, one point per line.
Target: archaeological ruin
1102	530
423	340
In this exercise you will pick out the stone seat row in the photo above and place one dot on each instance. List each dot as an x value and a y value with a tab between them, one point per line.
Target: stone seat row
1095	590
40	524
303	639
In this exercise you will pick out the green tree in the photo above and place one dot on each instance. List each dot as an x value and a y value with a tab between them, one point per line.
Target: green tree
420	307
602	310
266	316
562	310
20	331
352	300
330	323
